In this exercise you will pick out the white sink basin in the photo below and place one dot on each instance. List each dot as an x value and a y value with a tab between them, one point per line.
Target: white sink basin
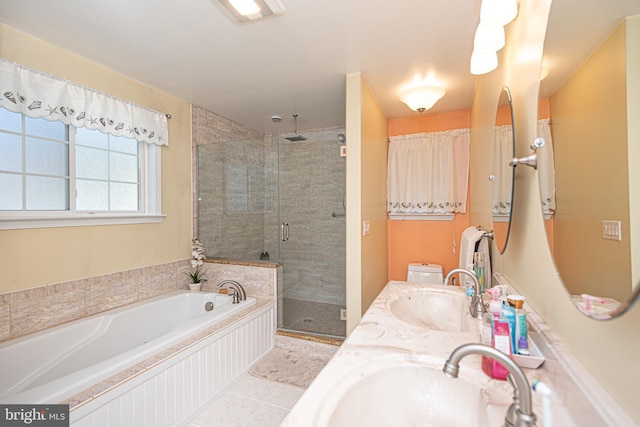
405	393
437	309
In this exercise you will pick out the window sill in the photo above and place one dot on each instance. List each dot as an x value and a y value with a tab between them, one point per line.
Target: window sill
421	217
81	220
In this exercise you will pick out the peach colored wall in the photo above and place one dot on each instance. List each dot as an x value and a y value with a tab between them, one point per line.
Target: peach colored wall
425	241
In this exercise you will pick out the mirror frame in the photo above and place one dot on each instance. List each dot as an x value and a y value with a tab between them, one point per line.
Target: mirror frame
502	247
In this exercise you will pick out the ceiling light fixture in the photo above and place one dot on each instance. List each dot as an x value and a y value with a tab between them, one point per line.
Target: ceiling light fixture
421	98
247	11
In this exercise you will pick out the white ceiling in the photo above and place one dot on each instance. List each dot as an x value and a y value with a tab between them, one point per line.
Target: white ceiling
297	63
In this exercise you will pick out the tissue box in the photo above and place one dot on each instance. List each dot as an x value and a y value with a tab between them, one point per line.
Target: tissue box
533	361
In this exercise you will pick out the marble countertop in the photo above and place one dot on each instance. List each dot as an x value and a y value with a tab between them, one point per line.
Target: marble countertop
381	338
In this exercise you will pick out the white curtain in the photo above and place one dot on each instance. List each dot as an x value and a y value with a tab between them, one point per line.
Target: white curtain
546	168
502	184
428	173
39	95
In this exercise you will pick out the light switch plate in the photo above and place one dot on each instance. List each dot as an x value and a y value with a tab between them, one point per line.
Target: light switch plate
612	230
366	228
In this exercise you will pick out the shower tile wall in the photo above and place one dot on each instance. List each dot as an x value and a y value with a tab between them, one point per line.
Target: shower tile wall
209	128
233	199
229	168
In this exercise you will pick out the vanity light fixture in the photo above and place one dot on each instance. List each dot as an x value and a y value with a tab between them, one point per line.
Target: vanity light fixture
488	38
248	11
421	98
483	62
498	12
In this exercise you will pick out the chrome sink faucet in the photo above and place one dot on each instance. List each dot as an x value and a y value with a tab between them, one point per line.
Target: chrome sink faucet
520	413
477	307
238	291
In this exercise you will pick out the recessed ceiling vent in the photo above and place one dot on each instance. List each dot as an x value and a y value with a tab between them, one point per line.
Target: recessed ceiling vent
247	11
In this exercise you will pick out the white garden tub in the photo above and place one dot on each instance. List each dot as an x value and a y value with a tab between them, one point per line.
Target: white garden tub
55	364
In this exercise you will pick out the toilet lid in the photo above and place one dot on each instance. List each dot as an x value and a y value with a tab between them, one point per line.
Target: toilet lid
425	267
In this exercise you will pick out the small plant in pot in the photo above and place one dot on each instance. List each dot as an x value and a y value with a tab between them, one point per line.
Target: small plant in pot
197	276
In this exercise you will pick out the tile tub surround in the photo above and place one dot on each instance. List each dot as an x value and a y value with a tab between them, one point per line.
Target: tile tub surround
381	335
30	310
34	309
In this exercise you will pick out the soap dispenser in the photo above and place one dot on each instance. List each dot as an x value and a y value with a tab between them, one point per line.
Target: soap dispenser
495	306
495	332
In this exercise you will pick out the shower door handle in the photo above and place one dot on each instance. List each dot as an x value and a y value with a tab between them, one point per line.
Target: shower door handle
284	231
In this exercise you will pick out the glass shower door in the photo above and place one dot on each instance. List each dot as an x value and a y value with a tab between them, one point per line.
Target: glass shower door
311	182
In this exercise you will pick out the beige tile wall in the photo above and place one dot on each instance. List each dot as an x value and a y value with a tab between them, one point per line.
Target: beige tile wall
31	310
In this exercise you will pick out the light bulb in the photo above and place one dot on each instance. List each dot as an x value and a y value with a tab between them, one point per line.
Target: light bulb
483	62
498	12
488	39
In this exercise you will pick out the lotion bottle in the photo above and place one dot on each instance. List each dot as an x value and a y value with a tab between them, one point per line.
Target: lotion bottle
521	330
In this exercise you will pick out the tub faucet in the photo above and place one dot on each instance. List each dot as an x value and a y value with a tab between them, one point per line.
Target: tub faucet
477	307
235	287
520	413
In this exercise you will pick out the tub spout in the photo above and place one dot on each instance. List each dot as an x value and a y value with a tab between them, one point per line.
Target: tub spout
235	287
520	413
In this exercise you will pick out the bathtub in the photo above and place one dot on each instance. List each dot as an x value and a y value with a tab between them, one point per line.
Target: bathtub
55	364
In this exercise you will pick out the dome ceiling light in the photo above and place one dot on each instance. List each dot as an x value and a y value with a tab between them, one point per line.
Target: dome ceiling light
421	98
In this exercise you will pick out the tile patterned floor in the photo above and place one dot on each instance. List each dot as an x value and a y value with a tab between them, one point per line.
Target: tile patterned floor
251	402
313	317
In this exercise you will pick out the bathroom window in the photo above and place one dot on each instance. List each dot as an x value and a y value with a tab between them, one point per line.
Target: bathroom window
427	175
53	174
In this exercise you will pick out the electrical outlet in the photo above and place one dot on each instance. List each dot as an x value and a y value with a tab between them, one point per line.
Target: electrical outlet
343	314
611	230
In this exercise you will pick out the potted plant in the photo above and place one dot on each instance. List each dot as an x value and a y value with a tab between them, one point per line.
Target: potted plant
197	276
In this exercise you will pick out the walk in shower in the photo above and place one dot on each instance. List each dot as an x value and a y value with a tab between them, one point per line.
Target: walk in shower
286	199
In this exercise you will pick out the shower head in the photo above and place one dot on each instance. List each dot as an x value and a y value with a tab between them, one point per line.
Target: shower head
342	138
295	136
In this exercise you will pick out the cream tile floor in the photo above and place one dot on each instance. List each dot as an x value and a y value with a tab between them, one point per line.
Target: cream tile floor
251	402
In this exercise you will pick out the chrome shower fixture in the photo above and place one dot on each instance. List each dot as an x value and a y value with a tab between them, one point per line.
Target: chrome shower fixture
295	136
342	138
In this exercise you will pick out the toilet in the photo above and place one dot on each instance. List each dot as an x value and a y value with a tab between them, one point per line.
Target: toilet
424	273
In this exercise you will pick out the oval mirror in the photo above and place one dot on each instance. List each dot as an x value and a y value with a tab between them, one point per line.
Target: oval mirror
504	146
593	222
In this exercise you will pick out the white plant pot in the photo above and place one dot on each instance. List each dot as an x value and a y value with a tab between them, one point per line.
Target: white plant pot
195	286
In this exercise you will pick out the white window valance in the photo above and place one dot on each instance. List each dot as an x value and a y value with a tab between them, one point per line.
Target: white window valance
428	173
39	95
546	168
502	185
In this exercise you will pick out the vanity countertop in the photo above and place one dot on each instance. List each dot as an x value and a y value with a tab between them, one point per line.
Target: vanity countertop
382	336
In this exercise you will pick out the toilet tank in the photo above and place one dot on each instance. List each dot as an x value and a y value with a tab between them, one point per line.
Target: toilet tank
424	273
